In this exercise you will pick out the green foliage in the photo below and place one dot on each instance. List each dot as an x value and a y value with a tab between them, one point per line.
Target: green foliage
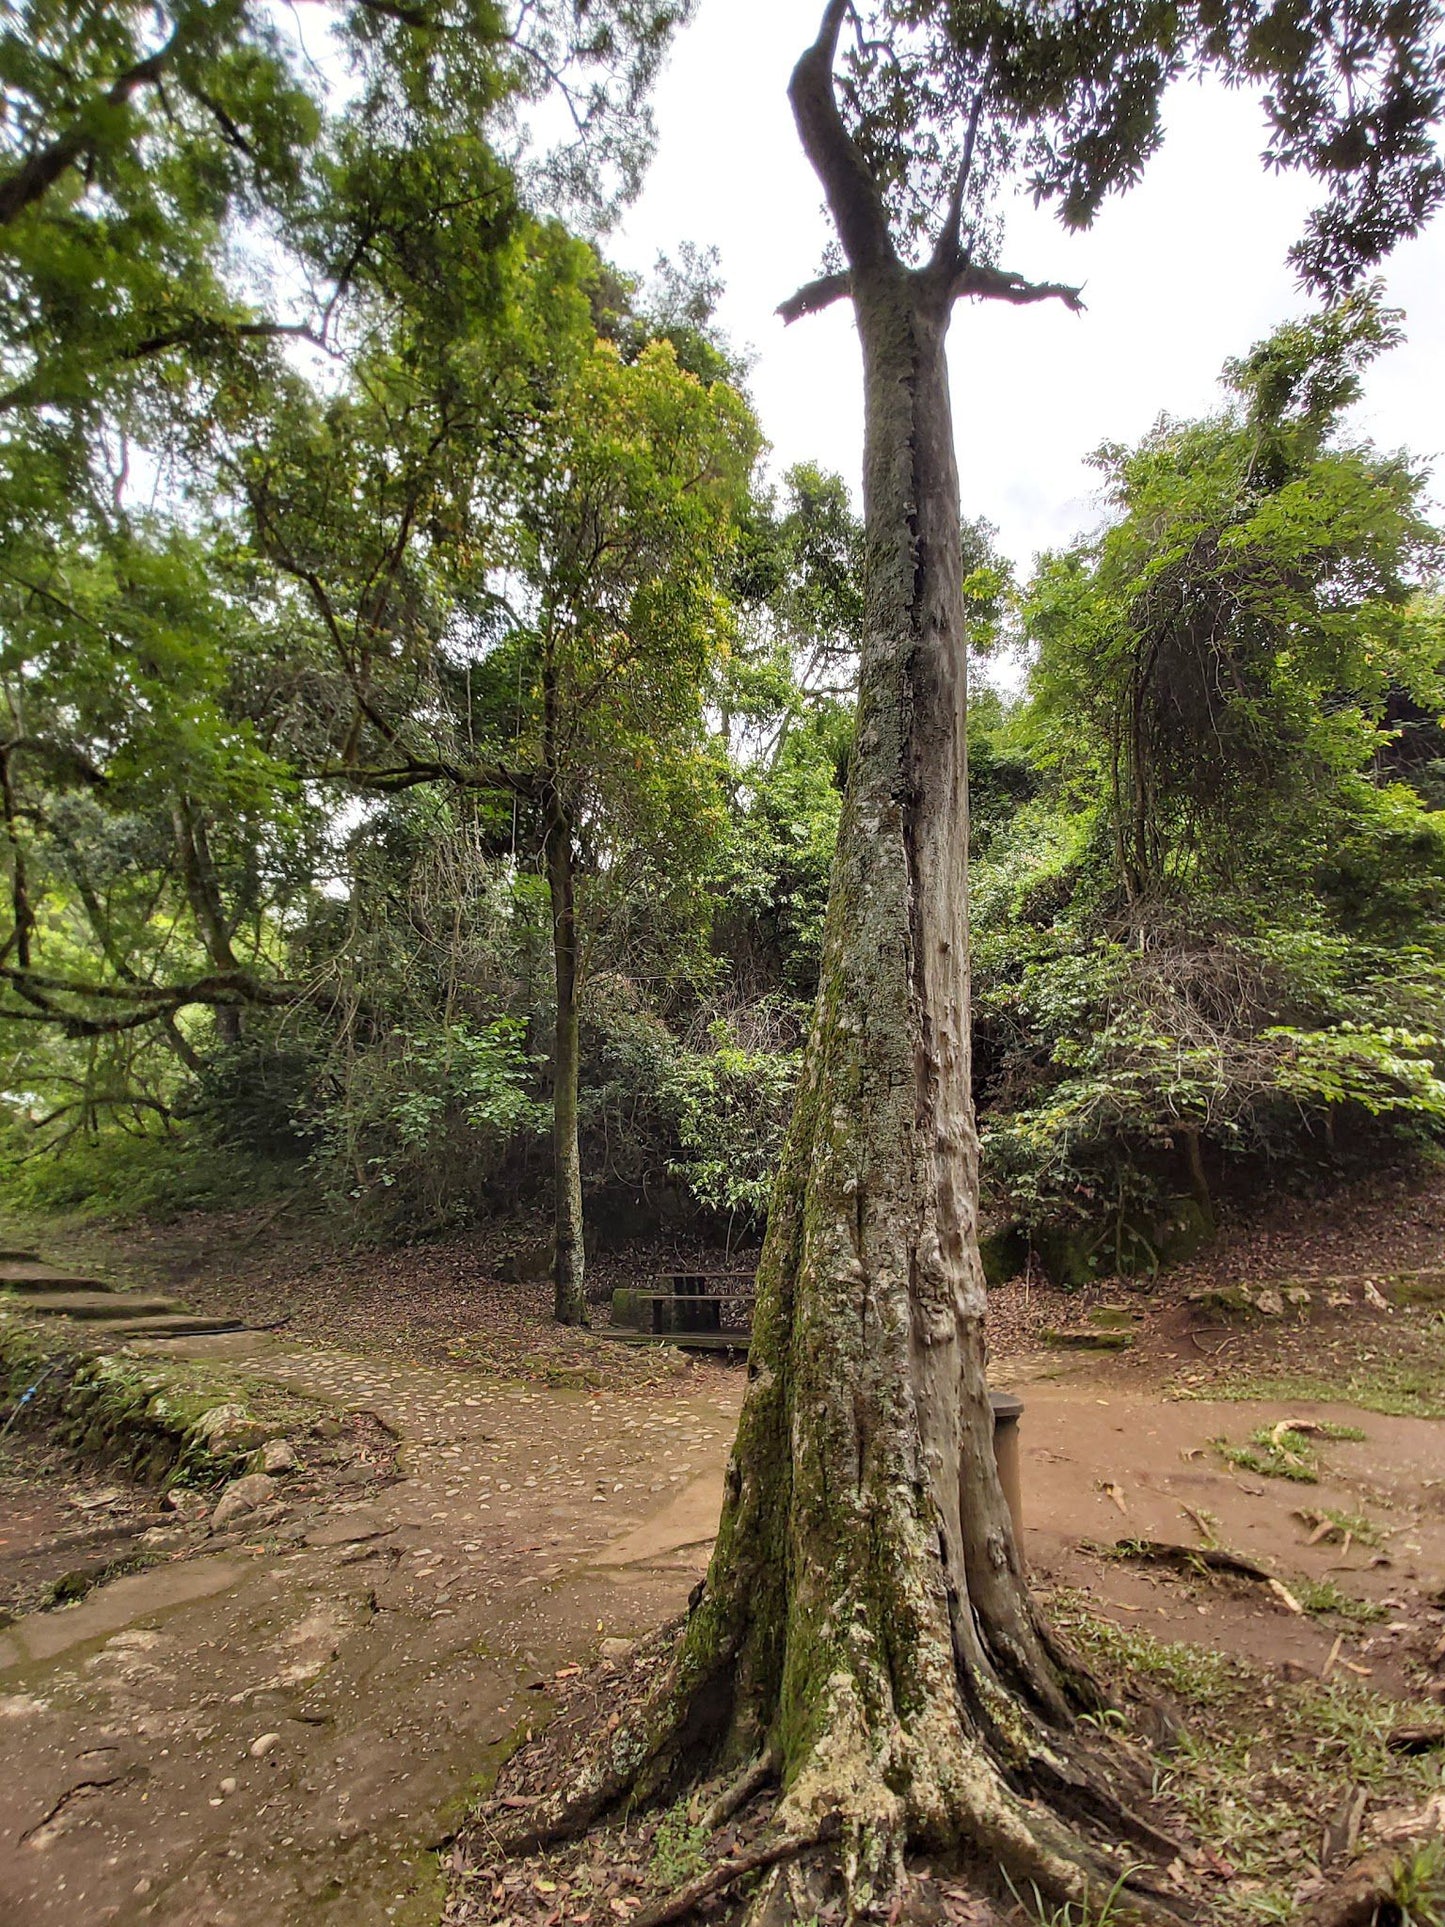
732	1109
1210	933
679	1849
1417	1886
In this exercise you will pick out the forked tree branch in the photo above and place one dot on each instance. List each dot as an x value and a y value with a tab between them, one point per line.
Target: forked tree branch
852	193
948	255
985	284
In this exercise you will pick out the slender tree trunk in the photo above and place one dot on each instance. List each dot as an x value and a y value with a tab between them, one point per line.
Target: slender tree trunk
198	872
21	908
568	1255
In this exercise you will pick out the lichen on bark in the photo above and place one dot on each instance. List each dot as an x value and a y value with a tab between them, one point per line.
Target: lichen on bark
865	1627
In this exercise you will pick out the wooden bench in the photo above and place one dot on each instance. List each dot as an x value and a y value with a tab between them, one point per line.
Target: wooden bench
689	1314
685	1307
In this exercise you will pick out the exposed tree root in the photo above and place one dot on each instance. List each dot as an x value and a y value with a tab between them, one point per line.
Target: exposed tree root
858	1801
1358	1898
739	1791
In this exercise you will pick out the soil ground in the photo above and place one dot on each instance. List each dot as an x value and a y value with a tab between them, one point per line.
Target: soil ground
282	1726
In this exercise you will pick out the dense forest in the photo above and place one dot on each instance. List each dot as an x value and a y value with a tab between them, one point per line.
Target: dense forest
426	720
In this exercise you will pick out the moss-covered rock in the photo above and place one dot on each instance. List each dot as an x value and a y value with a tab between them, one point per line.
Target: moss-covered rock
627	1308
163	1421
1074	1255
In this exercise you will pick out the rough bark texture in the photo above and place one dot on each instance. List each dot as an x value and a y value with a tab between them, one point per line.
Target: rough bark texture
568	1259
865	1629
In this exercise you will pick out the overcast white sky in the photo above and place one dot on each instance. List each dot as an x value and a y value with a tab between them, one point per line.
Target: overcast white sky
1183	272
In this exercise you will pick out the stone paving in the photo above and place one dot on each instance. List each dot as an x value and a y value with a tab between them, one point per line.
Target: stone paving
280	1731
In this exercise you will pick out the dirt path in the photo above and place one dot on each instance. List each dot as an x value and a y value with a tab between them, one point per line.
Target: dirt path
277	1733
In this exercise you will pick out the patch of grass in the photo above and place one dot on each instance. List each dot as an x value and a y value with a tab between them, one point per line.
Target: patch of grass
1331	1525
1281	1452
1274	1454
1259	1761
1398	1368
679	1848
1418	1886
1324	1596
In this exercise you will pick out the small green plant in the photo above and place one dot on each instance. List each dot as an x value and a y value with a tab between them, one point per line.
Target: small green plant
1324	1596
1071	1913
1418	1886
679	1848
1282	1452
1332	1526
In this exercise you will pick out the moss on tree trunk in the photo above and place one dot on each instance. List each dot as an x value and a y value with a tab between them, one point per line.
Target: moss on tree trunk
865	1624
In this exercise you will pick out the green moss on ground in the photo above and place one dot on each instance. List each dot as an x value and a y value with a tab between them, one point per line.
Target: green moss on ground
146	1415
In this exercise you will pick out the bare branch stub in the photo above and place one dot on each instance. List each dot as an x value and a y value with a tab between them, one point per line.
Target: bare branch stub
815	296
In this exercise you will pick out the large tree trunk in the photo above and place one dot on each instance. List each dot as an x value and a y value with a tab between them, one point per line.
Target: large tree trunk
865	1625
866	1583
568	1257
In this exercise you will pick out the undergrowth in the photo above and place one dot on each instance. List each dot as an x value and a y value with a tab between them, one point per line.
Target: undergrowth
1261	1764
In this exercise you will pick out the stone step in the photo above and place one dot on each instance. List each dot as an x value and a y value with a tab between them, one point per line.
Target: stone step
32	1276
19	1257
179	1324
105	1306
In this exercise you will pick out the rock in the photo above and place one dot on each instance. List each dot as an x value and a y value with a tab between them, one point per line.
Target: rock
278	1457
241	1497
1297	1295
1087	1338
261	1747
1269	1302
327	1428
1005	1253
350	1528
228	1785
618	1650
186	1502
228	1428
